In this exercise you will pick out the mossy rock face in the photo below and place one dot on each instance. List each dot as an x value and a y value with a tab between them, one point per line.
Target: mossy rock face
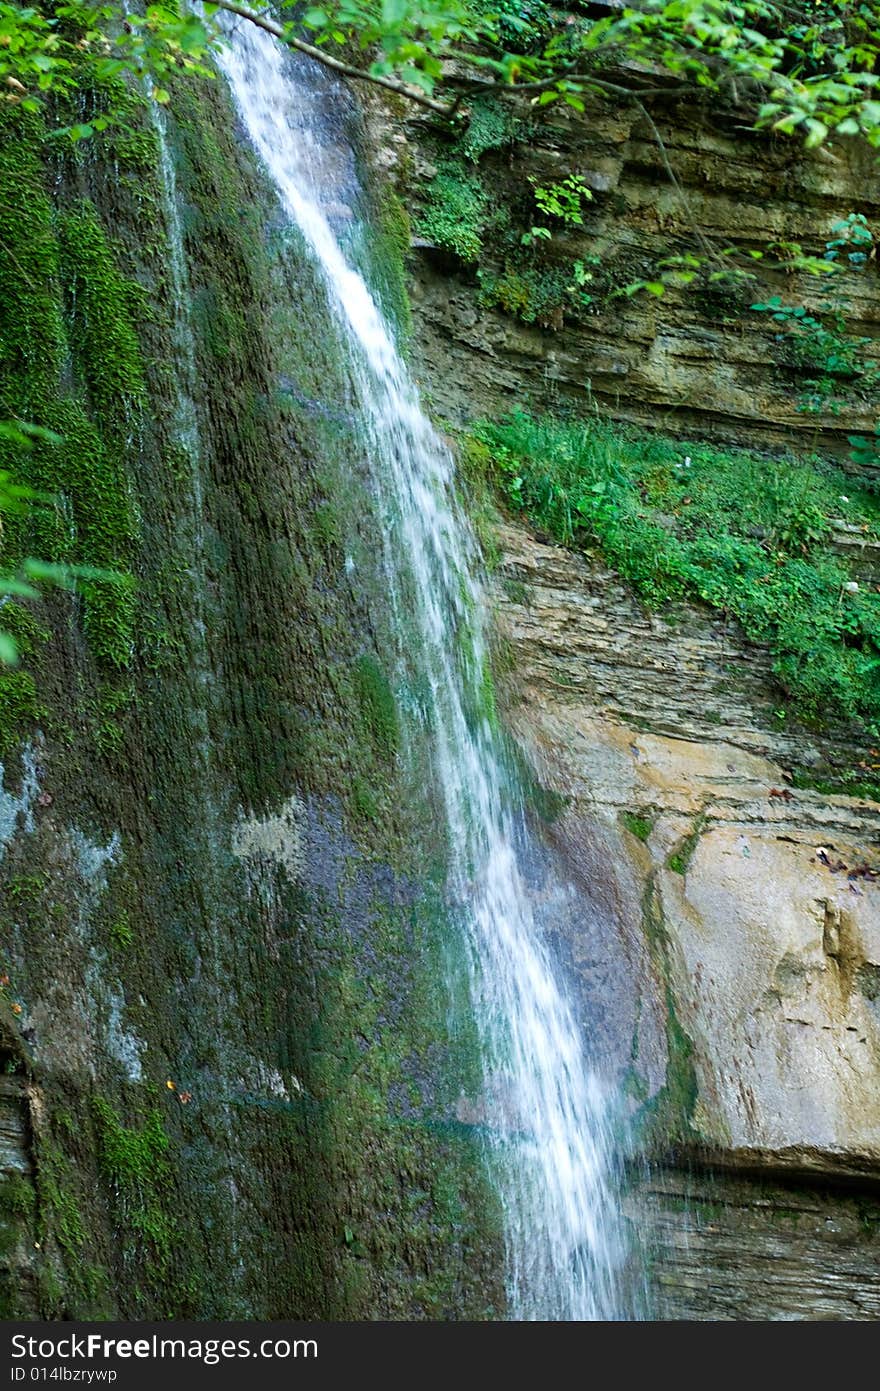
224	926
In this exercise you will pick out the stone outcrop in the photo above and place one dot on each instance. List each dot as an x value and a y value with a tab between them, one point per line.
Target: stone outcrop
722	1246
725	939
696	360
759	899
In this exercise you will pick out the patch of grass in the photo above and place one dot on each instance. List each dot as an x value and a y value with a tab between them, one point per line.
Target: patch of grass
849	782
121	932
744	534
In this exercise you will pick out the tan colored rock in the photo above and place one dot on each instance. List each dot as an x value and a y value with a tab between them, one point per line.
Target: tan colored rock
770	949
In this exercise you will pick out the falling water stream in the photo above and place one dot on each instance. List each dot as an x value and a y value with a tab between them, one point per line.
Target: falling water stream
550	1148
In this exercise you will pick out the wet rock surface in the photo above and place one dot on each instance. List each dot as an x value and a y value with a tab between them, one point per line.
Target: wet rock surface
722	1247
745	1027
763	905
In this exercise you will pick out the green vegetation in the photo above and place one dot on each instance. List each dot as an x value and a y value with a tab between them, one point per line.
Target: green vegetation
377	704
121	932
638	824
491	126
457	212
564	201
683	854
135	1163
811	73
59	1210
744	534
841	366
20	708
65	303
524	266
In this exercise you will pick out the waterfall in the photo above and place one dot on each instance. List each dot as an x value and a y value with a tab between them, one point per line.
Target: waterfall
549	1124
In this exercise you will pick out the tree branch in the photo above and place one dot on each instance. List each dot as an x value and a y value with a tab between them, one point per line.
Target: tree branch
391	84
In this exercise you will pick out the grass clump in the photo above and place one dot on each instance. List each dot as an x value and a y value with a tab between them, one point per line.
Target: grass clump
745	534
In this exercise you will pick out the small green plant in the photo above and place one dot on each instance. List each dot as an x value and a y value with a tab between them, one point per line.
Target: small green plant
535	234
681	857
563	201
818	341
120	931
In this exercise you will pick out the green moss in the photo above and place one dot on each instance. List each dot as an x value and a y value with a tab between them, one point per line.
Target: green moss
535	293
23	625
665	1118
638	824
456	211
389	246
32	337
20	709
487	702
135	1162
377	704
29	886
17	1196
90	473
635	1087
101	308
65	300
492	125
60	1214
121	932
365	803
683	854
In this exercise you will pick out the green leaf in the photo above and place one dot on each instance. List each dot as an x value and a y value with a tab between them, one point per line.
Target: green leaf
817	131
10	585
8	650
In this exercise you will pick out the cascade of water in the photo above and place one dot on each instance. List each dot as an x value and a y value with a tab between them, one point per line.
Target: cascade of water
551	1151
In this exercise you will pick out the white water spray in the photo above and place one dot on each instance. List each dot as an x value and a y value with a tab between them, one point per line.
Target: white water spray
550	1147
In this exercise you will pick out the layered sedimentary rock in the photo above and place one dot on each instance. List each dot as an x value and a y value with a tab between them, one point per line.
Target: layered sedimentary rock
699	359
730	922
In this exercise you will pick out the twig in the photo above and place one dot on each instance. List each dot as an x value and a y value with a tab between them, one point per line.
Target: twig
403	89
